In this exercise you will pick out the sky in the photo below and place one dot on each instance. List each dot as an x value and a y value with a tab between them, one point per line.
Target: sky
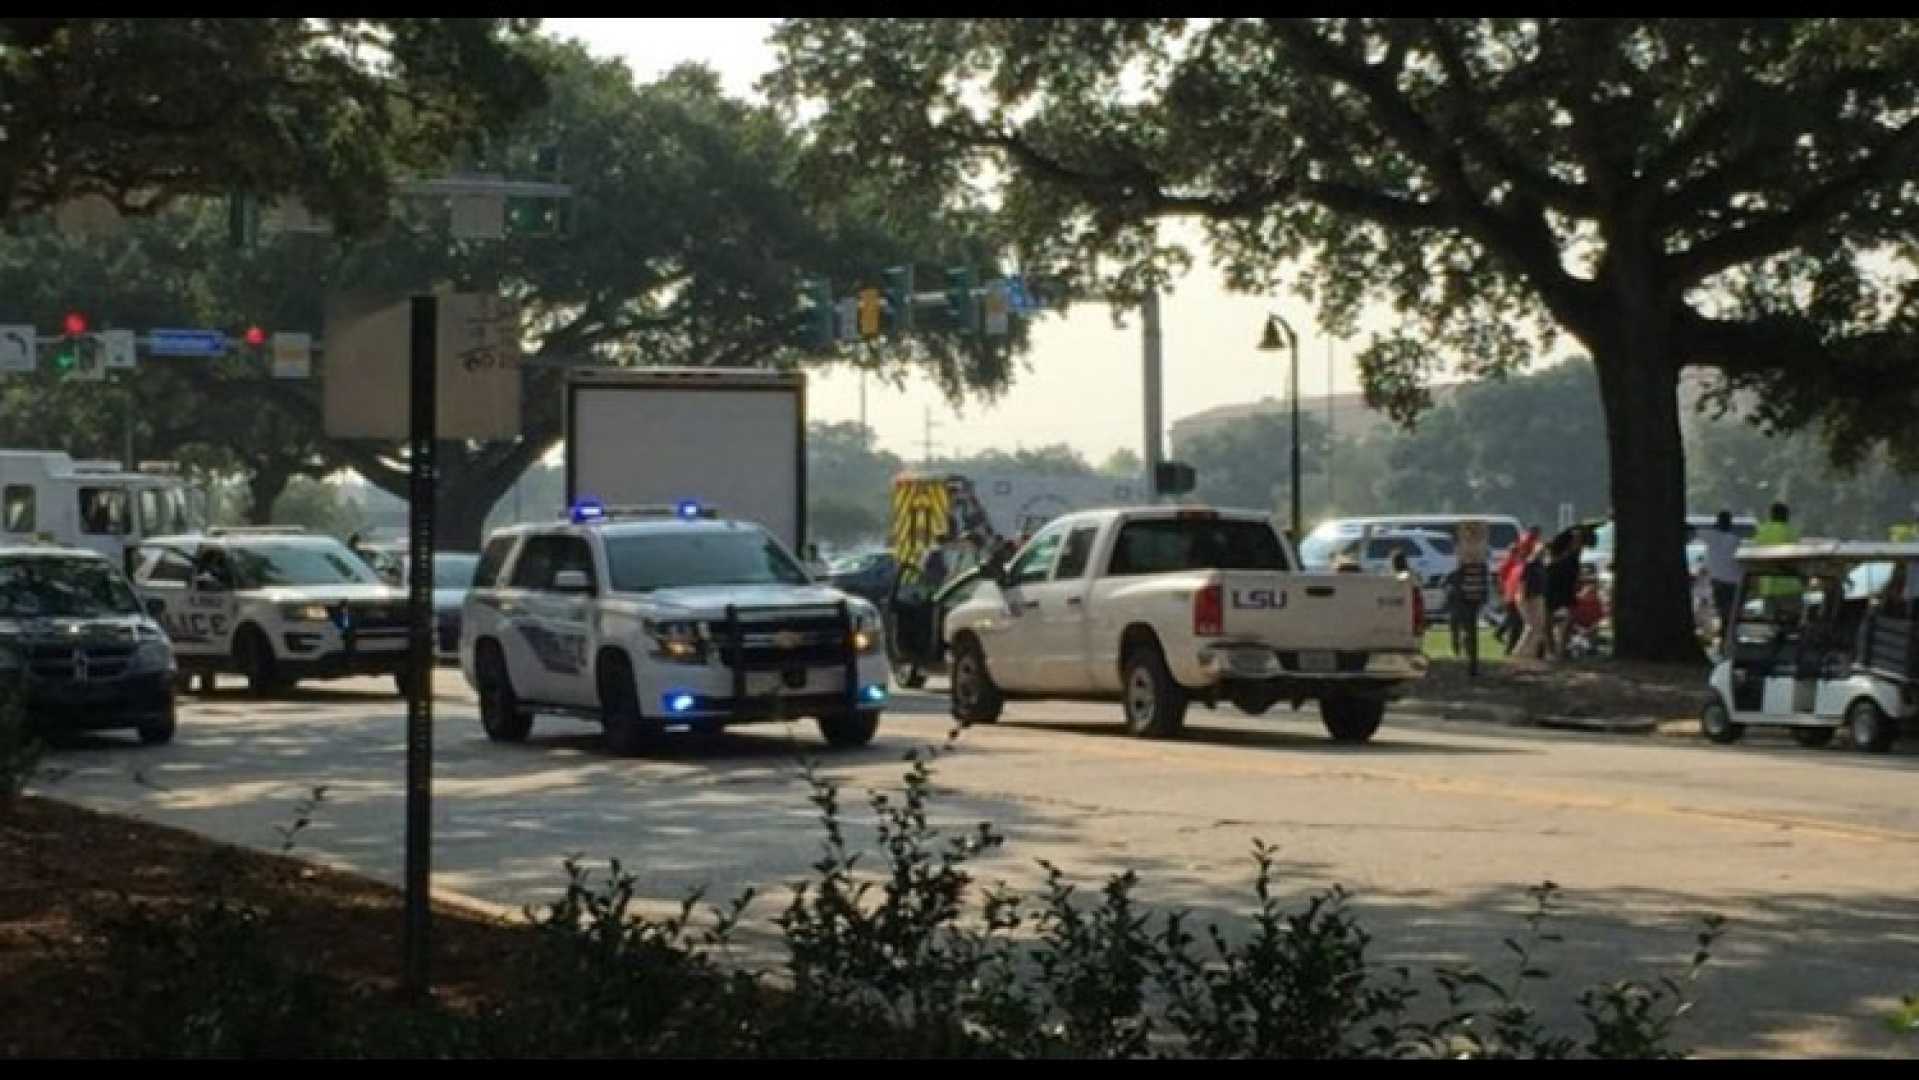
1083	381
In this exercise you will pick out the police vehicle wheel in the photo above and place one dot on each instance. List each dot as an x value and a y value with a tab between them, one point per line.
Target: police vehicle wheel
1155	704
1351	719
159	732
910	676
850	730
1872	730
1812	738
627	730
500	713
975	699
254	654
1717	723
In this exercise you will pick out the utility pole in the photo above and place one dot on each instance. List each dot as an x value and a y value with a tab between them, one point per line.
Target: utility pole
926	454
1150	364
862	402
1329	425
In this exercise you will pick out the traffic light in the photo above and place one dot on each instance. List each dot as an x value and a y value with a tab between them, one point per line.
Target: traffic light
1174	478
959	299
76	357
899	296
819	317
252	343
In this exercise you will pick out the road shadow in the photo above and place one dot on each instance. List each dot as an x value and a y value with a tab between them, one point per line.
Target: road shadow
1310	742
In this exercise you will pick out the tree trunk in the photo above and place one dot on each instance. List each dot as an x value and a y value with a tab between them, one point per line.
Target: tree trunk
460	524
264	488
467	491
1652	596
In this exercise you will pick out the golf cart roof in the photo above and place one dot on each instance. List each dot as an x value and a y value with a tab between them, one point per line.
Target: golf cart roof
1827	551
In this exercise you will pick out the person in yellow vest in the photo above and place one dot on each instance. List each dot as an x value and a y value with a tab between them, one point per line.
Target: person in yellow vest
1777	529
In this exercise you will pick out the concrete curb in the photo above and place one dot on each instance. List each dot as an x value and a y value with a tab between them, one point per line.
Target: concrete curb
1623	725
1511	715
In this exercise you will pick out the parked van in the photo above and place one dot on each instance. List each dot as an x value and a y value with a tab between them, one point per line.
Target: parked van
46	495
1317	550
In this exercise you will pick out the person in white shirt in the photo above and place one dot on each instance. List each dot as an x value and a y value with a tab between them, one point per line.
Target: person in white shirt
1722	544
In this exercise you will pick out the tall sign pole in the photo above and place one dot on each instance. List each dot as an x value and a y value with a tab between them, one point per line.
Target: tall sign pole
1150	378
421	433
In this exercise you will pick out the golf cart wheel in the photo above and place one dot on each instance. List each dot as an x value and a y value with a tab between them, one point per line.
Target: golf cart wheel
1872	730
1716	723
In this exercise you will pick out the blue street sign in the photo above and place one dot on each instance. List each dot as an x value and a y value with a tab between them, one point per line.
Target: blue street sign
187	342
1017	298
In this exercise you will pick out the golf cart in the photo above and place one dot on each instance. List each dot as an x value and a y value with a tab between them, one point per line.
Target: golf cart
1821	636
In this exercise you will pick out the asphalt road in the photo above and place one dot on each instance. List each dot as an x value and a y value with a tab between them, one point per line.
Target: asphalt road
1437	829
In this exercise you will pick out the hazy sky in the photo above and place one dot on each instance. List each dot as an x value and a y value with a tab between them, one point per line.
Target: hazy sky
1084	383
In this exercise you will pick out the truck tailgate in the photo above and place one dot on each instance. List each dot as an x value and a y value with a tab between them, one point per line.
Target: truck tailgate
1348	612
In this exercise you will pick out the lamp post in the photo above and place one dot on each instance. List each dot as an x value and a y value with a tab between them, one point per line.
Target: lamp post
1271	342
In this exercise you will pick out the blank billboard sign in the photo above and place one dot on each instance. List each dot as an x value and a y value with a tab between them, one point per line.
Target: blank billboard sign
737	448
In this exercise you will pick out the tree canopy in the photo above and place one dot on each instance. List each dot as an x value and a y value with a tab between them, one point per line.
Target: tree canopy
1724	193
142	112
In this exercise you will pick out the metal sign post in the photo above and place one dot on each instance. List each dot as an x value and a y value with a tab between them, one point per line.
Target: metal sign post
419	705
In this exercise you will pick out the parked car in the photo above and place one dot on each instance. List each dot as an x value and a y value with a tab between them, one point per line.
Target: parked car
1317	550
78	647
1430	554
452	577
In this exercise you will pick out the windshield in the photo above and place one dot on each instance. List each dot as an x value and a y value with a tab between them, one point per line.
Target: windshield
1163	546
70	588
259	565
673	560
454	571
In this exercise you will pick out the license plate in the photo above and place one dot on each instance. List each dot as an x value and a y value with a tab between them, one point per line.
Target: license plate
1318	661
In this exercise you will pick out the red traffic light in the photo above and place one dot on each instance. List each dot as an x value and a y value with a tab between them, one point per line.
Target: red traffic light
76	324
255	336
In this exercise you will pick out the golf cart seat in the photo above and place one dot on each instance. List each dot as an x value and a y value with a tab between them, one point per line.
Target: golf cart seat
1887	647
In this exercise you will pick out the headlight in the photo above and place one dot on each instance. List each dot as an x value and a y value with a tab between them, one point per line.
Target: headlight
152	656
866	631
304	612
678	642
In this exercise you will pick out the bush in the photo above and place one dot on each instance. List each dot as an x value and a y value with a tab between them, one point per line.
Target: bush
910	960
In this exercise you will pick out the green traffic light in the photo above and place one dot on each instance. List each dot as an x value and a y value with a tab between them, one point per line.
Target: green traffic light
66	360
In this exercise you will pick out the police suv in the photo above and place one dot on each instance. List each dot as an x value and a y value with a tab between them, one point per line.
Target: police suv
276	605
652	619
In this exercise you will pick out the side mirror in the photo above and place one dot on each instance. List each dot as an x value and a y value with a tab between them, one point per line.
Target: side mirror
156	608
208	583
572	581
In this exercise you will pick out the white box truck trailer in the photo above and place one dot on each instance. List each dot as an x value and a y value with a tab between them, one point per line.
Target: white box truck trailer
730	438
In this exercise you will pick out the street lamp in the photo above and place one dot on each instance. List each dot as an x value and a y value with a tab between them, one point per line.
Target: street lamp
1272	342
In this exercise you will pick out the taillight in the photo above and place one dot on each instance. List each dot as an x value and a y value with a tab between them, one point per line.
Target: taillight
1209	615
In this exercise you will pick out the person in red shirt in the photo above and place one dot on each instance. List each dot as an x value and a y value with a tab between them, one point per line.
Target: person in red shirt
1510	571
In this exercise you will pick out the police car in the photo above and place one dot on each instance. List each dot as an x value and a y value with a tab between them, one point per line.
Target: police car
76	648
653	619
276	605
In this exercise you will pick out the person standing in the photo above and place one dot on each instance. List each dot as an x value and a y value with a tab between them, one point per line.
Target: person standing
1403	570
1510	570
1562	587
1722	565
1532	605
933	567
1472	585
1777	529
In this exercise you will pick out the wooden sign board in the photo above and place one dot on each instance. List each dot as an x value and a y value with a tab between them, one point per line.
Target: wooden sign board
366	371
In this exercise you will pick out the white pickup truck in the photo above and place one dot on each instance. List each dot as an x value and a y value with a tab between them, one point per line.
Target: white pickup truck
1160	606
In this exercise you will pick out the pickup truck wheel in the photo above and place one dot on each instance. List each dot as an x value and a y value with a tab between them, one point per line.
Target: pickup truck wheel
975	699
1351	720
1872	730
848	731
628	731
1155	704
1717	723
501	716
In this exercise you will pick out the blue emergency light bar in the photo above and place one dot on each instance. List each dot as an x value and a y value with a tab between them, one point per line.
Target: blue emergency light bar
588	510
